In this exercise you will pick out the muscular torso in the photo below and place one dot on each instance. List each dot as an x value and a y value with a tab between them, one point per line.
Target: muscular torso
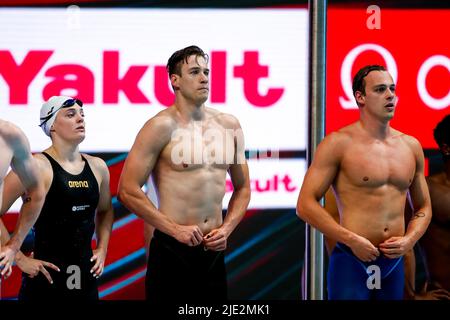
190	173
372	184
436	241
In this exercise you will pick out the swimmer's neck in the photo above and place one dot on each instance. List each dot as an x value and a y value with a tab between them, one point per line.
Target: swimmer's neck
376	128
64	152
189	111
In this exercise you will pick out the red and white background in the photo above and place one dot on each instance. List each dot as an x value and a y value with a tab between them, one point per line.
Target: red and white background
412	45
118	71
114	61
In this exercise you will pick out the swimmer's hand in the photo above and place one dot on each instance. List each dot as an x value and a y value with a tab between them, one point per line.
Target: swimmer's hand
216	240
32	266
189	235
363	249
99	256
7	255
395	247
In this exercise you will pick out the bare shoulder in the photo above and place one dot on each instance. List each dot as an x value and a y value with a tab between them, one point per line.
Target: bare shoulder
349	131
97	163
412	142
44	167
163	122
8	128
227	120
334	146
12	134
42	161
339	139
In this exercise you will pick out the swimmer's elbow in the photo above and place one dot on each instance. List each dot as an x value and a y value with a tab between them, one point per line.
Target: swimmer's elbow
303	209
300	209
124	194
37	193
121	196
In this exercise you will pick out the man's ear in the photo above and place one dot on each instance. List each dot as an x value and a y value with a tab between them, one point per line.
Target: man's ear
174	78
360	98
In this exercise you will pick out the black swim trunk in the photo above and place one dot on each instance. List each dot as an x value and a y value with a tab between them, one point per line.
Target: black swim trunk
177	272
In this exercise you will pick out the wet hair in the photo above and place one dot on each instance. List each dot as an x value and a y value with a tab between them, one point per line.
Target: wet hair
359	84
178	57
442	131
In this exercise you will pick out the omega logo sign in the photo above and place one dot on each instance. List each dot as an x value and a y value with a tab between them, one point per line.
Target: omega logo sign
348	101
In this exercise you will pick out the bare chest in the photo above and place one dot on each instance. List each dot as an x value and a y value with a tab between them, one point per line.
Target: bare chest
376	165
200	146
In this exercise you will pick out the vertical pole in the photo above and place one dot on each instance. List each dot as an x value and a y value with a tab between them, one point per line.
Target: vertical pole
314	273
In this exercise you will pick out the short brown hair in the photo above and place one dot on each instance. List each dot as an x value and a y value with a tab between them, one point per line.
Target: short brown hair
358	80
175	61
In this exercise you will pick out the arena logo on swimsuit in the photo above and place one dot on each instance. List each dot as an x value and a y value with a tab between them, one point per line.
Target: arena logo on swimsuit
19	75
78	184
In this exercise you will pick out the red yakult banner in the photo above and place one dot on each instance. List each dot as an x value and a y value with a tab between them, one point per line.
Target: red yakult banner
114	61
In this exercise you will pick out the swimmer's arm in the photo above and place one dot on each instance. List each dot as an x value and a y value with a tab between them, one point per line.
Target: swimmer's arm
138	166
420	197
409	261
5	238
332	209
26	168
410	275
4	234
7	255
317	181
239	175
12	190
105	213
239	199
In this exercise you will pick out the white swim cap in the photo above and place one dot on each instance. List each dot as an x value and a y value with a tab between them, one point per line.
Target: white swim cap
50	109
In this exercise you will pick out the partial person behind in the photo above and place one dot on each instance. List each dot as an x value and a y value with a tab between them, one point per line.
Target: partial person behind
436	240
15	153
